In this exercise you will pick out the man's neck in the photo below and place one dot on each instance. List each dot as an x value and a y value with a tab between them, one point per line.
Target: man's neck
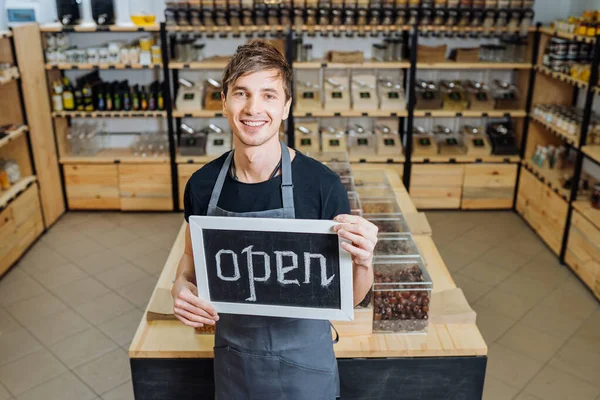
254	164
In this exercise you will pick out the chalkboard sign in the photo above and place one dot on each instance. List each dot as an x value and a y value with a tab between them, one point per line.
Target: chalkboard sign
272	267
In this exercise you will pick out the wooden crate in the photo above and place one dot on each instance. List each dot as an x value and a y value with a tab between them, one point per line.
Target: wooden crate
21	224
92	186
488	186
145	187
545	211
184	172
436	186
583	251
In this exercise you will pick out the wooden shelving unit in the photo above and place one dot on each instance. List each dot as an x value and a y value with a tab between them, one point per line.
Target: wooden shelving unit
351	113
470	113
585	208
50	28
13	135
114	156
9	81
228	29
561	77
86	66
197	114
480	65
568	36
592	151
550	177
466	159
365	65
15	190
570	139
198	65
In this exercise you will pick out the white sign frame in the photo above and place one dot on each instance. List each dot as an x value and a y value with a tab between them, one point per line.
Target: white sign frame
198	223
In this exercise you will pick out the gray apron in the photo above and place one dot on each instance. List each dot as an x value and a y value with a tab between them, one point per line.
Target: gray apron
269	358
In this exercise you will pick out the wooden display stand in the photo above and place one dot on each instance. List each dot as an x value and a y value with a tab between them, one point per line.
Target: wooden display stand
437	186
489	186
583	248
170	360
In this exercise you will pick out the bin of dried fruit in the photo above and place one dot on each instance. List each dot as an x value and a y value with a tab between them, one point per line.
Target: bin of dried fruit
380	206
374	177
395	246
375	192
401	296
341	168
389	224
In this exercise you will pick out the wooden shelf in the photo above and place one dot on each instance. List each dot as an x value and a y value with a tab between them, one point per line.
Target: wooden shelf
561	77
569	36
465	158
194	159
85	66
351	28
7	196
471	113
365	65
462	29
574	141
110	28
351	113
5	34
376	159
228	29
114	156
551	177
481	65
590	213
197	114
7	81
199	65
592	151
110	114
12	135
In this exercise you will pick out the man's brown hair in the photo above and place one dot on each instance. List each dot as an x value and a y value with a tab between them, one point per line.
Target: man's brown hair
257	55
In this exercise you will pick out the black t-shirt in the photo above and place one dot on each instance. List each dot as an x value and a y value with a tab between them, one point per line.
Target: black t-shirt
318	191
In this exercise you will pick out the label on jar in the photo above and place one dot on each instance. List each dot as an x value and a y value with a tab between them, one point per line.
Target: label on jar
334	142
478	143
218	142
425	142
363	142
305	142
365	95
393	95
308	95
336	95
451	142
215	96
189	96
481	96
389	142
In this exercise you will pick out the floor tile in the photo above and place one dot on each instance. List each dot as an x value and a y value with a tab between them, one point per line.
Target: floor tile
104	308
17	344
527	243
4	394
7	323
464	245
136	249
80	249
97	263
107	372
553	274
65	387
495	389
531	342
526	288
61	275
19	289
506	303
139	293
455	260
589	332
485	272
510	366
154	262
122	328
553	384
98	229
60	235
54	328
41	258
472	289
81	291
505	259
32	310
121	275
116	237
164	240
30	371
581	304
526	396
492	325
123	392
576	359
559	324
83	347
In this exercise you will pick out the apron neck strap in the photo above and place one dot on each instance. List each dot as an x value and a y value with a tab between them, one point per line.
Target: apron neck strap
287	186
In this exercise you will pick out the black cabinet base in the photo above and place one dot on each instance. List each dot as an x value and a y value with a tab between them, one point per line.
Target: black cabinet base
365	378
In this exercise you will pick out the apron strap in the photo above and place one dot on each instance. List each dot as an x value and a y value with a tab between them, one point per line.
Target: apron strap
287	186
216	192
337	335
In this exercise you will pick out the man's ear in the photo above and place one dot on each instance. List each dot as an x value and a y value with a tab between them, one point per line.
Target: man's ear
286	109
223	100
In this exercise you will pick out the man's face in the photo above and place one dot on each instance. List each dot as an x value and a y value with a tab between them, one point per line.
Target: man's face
255	106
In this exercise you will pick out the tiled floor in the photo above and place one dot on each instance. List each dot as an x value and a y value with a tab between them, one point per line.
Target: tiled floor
69	309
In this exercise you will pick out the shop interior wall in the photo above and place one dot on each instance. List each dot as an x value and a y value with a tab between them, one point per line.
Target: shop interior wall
546	10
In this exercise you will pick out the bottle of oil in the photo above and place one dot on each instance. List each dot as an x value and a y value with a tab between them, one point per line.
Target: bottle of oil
88	98
57	99
67	95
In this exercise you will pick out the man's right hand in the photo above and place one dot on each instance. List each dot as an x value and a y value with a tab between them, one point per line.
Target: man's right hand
189	308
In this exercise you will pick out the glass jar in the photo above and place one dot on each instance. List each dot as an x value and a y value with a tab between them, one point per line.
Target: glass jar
361	141
379	51
388	53
197	51
307	52
333	139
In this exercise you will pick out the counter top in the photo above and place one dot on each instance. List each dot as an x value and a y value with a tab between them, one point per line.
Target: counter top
452	330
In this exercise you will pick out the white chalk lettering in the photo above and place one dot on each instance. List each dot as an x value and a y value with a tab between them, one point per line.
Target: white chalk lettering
236	268
323	264
251	277
281	270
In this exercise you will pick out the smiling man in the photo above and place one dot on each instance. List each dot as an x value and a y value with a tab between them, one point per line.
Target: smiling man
265	357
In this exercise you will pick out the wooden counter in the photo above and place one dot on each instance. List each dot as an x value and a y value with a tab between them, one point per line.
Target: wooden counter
453	349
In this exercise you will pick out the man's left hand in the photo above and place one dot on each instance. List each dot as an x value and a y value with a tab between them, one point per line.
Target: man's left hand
363	237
